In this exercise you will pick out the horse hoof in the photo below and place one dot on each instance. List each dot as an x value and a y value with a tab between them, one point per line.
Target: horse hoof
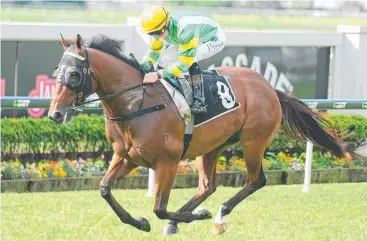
203	213
144	224
220	228
170	229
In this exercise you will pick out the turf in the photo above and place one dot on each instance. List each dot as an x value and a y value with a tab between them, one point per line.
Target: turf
327	212
228	21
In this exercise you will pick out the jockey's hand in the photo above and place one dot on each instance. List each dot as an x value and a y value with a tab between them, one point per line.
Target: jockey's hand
151	77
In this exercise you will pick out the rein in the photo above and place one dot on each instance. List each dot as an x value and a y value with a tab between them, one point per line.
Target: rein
131	116
111	95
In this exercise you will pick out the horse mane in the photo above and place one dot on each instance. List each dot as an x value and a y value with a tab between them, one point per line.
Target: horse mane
112	47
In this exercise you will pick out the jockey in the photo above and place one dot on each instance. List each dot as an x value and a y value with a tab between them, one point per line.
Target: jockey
191	37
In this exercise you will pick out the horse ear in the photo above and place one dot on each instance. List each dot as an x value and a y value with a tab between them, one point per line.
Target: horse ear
79	43
64	42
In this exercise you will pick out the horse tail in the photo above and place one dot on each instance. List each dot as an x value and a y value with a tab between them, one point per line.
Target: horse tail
301	122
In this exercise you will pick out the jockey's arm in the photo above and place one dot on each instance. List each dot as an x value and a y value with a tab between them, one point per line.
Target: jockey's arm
186	55
155	50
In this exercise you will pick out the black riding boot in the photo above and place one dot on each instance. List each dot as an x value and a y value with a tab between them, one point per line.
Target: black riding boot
199	104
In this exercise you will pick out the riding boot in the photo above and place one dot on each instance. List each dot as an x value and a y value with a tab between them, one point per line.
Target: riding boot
199	103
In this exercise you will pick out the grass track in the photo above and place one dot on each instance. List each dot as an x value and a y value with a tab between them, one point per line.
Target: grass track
328	212
228	21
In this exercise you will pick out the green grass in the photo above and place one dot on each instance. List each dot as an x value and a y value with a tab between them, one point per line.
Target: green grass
64	15
327	212
259	22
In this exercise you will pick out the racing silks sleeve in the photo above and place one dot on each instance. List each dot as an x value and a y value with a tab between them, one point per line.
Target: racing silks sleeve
189	42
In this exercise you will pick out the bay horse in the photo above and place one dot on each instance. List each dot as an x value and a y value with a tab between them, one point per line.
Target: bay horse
144	128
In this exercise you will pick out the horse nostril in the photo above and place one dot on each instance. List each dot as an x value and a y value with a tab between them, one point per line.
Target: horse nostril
57	117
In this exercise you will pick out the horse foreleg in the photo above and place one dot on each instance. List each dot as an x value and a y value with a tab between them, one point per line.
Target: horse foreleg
118	168
165	173
206	166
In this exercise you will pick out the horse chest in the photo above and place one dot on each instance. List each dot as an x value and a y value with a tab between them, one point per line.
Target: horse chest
138	154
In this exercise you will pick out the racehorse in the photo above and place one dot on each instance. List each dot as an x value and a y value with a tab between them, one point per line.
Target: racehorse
144	128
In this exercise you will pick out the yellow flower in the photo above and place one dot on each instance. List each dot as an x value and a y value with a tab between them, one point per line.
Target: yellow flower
55	173
134	172
62	173
16	164
281	155
288	159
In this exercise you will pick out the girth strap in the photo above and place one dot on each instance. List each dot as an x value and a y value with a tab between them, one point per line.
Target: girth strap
137	113
187	140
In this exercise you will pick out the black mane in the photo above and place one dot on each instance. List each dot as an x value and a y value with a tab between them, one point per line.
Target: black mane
111	47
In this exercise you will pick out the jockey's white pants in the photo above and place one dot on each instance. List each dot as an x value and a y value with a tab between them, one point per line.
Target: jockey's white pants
204	51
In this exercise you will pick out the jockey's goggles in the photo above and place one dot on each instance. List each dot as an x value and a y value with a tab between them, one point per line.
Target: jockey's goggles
158	32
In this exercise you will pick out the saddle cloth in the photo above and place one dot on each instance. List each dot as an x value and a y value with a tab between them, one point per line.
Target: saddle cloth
218	94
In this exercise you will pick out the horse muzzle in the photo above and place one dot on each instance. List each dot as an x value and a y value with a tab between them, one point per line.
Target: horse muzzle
56	117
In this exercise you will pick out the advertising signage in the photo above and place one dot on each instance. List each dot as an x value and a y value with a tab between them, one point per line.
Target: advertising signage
302	71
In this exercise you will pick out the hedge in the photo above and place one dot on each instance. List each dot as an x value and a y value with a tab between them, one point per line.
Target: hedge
85	134
352	129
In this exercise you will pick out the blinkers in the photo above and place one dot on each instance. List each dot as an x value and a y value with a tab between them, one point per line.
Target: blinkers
74	73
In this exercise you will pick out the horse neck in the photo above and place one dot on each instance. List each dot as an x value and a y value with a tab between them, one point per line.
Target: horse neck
113	76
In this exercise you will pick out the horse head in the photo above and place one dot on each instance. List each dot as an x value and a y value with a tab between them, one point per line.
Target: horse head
75	81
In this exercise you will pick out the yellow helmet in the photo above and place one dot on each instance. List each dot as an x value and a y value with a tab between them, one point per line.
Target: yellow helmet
154	19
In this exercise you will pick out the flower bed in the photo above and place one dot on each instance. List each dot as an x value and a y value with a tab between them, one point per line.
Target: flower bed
80	168
228	179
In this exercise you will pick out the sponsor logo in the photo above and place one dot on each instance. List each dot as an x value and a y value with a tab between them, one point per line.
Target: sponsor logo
21	103
45	87
93	104
339	105
313	105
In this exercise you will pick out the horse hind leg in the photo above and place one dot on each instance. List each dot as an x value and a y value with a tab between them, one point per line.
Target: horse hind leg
253	153
206	166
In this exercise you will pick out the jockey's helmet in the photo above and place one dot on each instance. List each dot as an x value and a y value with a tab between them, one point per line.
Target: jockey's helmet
154	20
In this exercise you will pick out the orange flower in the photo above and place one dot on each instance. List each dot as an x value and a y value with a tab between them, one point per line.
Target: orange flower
266	163
349	156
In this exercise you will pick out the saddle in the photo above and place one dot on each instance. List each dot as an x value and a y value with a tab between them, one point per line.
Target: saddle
218	94
211	88
191	85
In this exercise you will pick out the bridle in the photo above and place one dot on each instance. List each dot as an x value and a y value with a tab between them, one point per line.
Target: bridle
83	86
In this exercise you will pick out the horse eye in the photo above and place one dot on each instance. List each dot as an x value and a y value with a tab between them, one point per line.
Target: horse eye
74	76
